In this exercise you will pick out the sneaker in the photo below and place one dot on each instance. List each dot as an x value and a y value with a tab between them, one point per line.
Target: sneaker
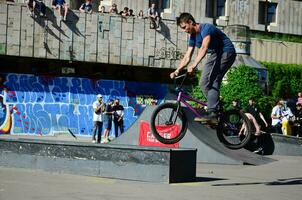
104	140
64	18
208	117
111	138
93	141
258	151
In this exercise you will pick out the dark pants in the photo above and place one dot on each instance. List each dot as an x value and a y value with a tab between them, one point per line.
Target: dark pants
212	73
97	127
278	128
118	125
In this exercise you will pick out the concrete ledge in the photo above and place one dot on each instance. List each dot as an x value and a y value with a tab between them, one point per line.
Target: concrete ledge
111	161
286	145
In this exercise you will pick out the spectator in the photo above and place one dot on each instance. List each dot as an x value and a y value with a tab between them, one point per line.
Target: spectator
131	13
299	100
31	7
276	116
38	5
255	111
113	9
102	9
140	14
98	108
118	117
298	120
107	120
125	12
153	16
58	5
287	117
86	7
41	7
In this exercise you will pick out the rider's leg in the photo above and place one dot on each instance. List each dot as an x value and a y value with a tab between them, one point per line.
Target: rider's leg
213	71
224	62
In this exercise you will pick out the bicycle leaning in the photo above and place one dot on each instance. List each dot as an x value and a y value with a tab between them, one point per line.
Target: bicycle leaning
233	128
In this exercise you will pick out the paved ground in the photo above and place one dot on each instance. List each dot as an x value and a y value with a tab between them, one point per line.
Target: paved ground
278	180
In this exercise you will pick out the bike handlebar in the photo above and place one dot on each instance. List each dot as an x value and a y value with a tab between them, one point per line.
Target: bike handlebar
182	75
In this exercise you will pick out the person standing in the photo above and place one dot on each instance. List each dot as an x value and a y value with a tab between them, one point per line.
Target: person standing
276	116
107	120
255	111
118	118
209	39
98	108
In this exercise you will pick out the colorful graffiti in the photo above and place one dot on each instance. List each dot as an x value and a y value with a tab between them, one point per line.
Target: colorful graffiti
44	105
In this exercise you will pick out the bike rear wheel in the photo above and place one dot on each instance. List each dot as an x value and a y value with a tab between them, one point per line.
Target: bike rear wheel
168	123
234	129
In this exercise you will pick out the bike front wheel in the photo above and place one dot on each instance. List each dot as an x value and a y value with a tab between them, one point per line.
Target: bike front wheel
234	129
168	123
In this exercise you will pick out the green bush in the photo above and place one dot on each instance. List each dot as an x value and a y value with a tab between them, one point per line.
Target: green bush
241	83
284	79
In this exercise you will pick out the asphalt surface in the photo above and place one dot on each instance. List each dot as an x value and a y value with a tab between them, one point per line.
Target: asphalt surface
277	180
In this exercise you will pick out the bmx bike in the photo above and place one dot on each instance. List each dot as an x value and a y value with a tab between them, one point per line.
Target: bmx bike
233	127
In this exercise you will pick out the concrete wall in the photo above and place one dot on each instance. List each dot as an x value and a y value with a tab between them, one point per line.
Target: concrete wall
112	39
276	51
94	38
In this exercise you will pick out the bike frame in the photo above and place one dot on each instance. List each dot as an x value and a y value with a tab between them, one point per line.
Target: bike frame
182	98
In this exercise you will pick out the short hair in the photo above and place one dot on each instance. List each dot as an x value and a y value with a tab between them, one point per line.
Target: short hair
185	18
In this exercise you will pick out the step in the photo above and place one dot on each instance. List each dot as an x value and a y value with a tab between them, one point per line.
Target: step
130	162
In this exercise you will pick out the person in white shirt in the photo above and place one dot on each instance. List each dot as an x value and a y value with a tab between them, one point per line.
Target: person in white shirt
98	109
277	116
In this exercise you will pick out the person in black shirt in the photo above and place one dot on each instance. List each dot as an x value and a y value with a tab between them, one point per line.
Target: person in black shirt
298	120
118	117
254	110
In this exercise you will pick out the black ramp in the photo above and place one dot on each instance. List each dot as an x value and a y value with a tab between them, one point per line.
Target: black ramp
209	148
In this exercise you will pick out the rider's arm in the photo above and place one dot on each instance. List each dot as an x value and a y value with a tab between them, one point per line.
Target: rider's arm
185	60
201	52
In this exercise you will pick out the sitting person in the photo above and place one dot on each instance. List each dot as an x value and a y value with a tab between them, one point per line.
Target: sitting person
102	9
125	12
287	117
31	4
140	14
37	5
58	5
298	121
153	16
299	100
131	13
113	9
86	7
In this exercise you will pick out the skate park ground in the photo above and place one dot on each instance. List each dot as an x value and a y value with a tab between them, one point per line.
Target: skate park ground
281	179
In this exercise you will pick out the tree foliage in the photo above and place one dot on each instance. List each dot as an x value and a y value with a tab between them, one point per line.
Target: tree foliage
241	83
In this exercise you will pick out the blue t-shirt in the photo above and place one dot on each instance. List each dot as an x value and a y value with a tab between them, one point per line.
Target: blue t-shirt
87	7
219	41
58	2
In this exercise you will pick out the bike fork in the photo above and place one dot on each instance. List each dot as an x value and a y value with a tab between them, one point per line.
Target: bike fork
172	114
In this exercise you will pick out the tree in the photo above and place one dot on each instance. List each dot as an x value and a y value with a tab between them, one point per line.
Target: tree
241	83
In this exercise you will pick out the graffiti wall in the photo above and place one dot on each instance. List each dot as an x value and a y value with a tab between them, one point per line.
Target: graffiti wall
46	105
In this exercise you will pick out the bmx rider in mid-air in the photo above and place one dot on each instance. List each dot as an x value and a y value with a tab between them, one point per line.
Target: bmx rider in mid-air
209	39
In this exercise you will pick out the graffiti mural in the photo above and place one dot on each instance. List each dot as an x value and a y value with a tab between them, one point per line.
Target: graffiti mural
44	105
170	53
